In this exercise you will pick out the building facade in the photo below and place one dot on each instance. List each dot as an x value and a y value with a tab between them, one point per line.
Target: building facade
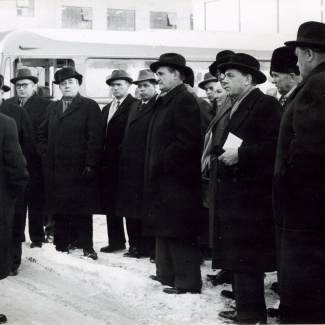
128	15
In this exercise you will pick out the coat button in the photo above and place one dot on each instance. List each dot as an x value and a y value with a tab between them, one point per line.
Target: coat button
235	180
218	180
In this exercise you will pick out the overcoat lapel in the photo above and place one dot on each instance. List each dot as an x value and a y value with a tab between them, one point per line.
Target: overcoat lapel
122	107
146	108
72	107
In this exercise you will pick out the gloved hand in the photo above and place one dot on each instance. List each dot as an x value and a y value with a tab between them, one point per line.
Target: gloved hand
88	173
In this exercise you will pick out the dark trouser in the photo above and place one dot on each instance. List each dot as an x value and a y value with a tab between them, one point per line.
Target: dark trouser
249	295
145	245
49	224
83	224
178	263
34	201
115	230
18	231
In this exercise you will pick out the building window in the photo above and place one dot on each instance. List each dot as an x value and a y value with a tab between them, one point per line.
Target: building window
77	17
25	8
163	20
120	19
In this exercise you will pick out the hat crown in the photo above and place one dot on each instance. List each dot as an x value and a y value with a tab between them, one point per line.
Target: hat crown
67	73
119	74
284	60
245	59
24	73
174	58
145	74
207	76
224	53
312	30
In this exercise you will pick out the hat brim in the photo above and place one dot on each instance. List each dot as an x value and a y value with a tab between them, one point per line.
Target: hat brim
78	77
213	68
260	76
305	43
32	78
109	81
149	79
5	88
204	82
156	65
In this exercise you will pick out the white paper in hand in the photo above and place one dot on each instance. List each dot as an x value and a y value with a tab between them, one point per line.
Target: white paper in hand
232	141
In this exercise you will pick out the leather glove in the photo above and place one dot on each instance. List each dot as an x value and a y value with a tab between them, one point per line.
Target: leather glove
88	173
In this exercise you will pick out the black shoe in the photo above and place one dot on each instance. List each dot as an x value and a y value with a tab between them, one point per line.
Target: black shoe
230	315
228	294
112	248
179	291
220	278
3	319
36	244
274	286
132	249
153	277
273	312
13	272
89	252
62	249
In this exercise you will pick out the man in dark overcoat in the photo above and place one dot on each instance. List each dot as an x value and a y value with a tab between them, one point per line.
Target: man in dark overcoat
114	118
245	242
172	190
69	142
299	186
13	180
26	141
129	202
35	106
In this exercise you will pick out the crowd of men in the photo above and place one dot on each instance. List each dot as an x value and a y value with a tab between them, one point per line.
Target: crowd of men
241	175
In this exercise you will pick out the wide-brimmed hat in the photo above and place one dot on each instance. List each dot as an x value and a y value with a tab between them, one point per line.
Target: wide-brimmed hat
189	79
67	73
311	33
118	75
172	60
24	73
145	75
222	57
284	60
246	62
2	85
208	77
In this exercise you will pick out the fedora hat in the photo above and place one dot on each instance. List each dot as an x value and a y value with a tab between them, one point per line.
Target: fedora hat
311	33
145	75
172	60
24	73
208	77
222	57
67	73
284	60
242	61
2	85
118	75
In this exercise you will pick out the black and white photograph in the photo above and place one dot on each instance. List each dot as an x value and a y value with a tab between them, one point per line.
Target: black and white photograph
162	162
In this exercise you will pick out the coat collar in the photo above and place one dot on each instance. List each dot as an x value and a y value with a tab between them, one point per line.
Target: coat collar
128	99
73	106
146	108
244	109
173	92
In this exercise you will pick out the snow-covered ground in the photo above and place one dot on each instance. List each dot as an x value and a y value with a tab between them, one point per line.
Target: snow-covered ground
53	288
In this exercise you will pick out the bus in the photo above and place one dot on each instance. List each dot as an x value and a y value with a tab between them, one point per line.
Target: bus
95	54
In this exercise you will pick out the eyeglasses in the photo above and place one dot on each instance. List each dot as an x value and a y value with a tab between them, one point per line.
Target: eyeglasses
18	86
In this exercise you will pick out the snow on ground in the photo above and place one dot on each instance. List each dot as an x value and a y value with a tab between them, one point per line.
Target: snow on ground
54	288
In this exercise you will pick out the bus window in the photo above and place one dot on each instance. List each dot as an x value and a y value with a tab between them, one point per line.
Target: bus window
97	70
44	70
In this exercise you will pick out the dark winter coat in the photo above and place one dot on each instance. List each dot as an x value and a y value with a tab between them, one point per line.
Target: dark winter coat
131	168
206	115
13	179
24	126
244	239
299	195
113	133
36	110
172	191
68	142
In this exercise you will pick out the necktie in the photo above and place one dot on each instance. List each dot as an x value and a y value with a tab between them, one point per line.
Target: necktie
283	99
66	104
142	105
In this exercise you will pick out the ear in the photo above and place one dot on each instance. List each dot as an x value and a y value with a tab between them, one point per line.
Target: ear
311	55
248	80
